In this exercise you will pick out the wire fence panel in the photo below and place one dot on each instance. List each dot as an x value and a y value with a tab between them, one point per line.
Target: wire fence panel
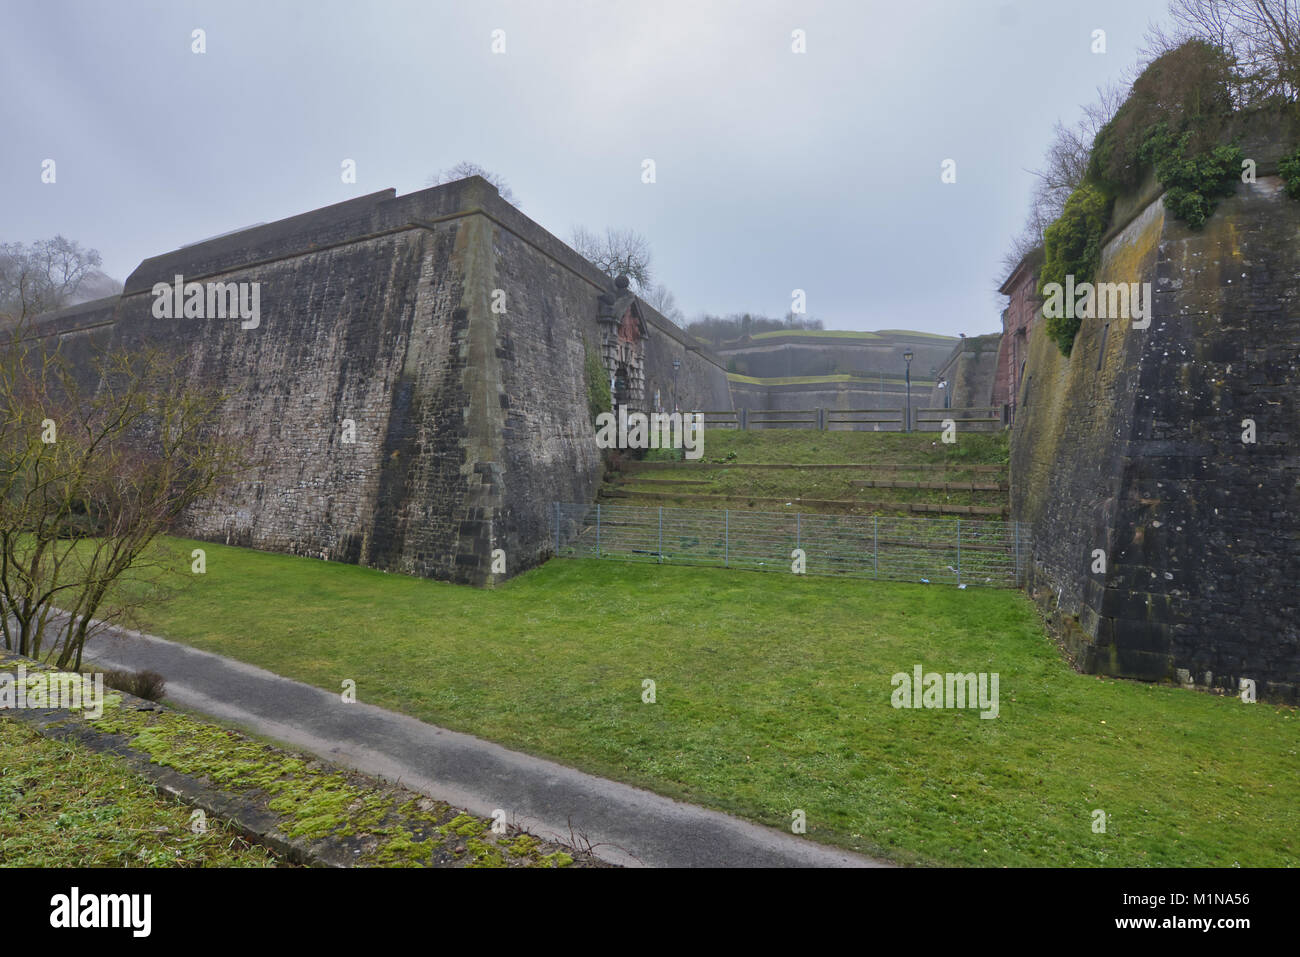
939	550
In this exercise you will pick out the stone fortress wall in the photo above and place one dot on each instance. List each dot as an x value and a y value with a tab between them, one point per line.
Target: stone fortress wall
839	372
1134	445
469	422
861	354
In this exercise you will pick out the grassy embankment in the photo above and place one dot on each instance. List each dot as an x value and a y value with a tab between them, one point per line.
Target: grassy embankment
773	694
893	470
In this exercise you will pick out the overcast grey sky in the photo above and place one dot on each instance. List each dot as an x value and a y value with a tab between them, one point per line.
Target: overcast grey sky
775	170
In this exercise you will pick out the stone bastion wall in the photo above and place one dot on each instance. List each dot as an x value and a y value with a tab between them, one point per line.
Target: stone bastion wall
447	328
1133	445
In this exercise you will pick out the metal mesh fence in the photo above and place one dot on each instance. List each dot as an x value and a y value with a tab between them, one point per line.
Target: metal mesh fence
955	551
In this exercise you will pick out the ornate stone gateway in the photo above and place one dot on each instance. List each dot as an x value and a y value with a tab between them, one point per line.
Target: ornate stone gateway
622	345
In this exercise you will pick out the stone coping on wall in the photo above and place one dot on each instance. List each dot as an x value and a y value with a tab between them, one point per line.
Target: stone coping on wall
352	221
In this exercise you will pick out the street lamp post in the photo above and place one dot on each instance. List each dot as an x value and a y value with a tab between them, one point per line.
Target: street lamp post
677	364
907	421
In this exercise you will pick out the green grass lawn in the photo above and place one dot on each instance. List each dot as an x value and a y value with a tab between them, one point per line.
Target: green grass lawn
773	694
62	805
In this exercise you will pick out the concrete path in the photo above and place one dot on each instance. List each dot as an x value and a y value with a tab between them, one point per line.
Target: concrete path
625	825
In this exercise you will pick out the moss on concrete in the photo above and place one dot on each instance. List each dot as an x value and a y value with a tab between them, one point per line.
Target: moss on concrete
309	800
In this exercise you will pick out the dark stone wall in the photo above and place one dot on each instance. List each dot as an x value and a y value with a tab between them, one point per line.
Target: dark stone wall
364	331
82	331
698	384
535	428
470	422
795	355
1137	449
843	395
969	373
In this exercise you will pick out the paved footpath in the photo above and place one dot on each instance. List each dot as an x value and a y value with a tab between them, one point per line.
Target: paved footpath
625	825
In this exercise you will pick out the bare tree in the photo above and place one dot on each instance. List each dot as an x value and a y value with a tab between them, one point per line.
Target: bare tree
618	252
95	465
659	296
42	276
719	330
794	320
1262	37
1063	169
465	169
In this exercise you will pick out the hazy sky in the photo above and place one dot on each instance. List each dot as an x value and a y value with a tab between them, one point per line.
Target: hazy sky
775	170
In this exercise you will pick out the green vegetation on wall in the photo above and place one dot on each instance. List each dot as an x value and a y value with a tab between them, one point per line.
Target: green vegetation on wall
1193	184
598	397
1072	247
1173	124
1289	170
1185	90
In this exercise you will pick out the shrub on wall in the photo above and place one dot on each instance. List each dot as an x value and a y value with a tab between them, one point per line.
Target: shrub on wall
1193	184
1072	247
1187	90
1173	124
1289	170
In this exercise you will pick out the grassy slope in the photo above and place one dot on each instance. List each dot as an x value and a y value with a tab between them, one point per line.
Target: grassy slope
741	487
62	805
773	694
809	448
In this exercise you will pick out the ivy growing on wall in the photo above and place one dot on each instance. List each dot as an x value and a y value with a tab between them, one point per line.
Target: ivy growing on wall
1072	247
1193	183
598	397
1183	97
1289	170
1174	124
